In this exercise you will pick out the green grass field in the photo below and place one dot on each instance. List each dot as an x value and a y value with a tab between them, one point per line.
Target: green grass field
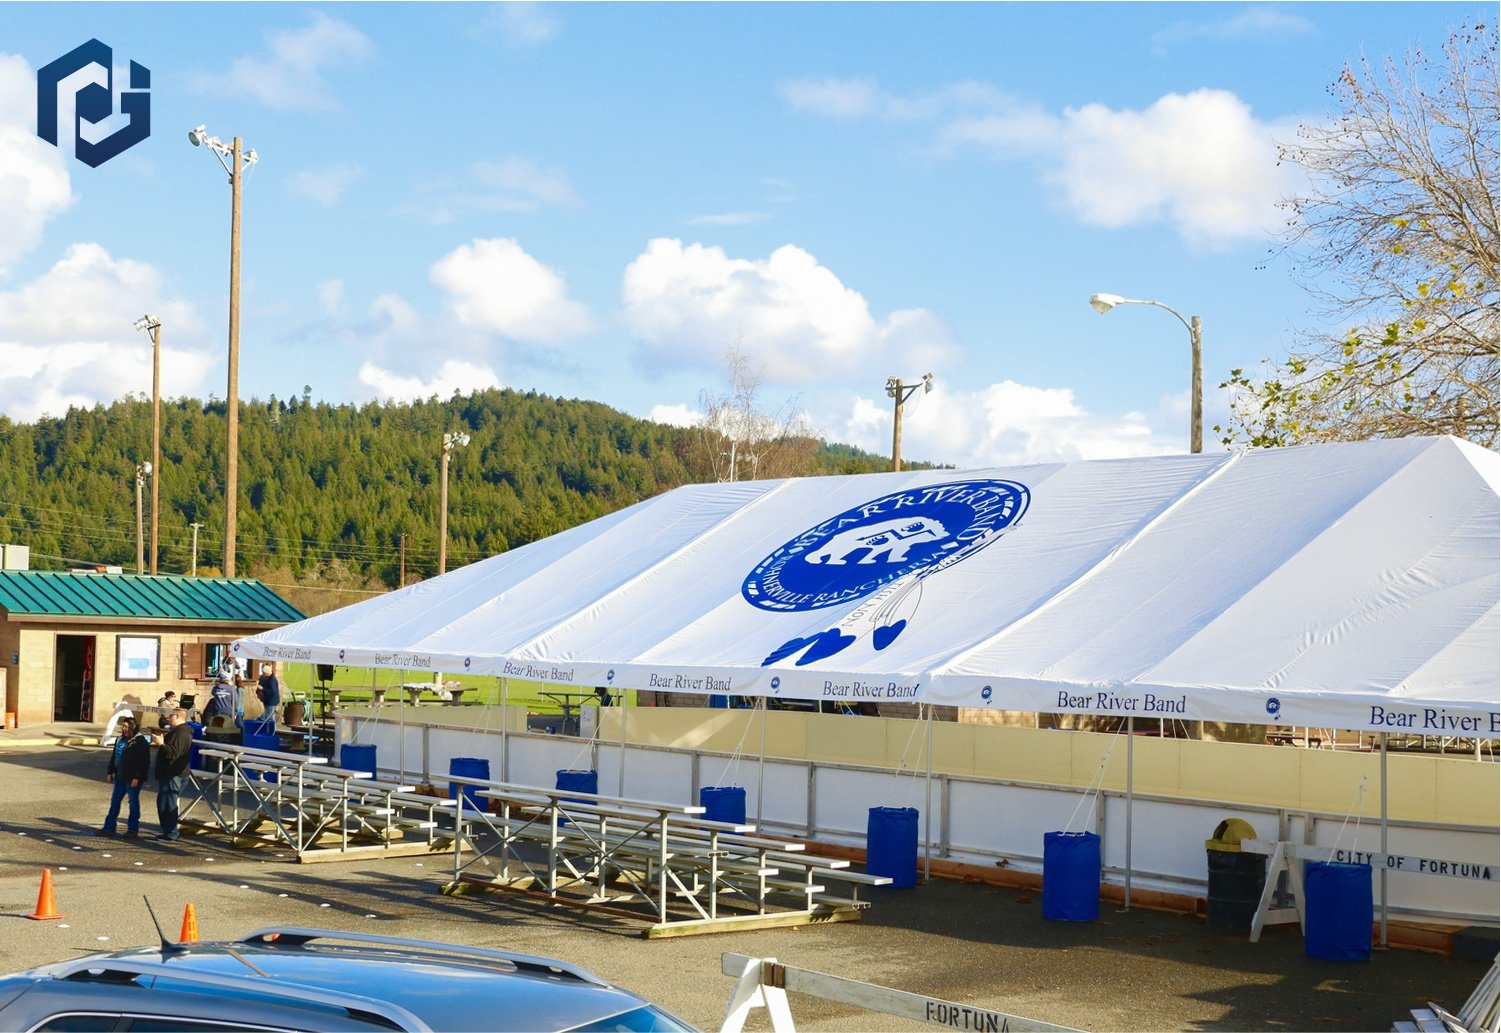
298	680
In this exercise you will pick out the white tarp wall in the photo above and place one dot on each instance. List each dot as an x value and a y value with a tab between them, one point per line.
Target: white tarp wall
1351	585
983	820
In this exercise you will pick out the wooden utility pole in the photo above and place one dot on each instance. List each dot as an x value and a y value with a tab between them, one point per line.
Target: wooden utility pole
402	578
1196	414
156	438
232	402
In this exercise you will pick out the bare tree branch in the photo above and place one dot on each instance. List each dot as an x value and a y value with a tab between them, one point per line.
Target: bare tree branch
1397	238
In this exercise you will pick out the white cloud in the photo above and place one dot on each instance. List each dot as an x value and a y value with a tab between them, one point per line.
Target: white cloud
325	185
1201	162
521	182
853	98
487	187
88	294
68	336
495	286
675	415
788	313
841	98
331	296
293	74
1260	22
524	25
1000	425
34	181
728	219
453	375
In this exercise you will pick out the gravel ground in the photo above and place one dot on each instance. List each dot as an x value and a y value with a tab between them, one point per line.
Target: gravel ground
973	944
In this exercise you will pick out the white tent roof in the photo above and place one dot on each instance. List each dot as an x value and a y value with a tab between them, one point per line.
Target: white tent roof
1350	585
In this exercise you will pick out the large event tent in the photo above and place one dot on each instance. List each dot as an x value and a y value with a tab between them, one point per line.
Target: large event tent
1347	585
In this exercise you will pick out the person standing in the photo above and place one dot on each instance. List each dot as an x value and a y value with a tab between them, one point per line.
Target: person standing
172	771
270	693
129	766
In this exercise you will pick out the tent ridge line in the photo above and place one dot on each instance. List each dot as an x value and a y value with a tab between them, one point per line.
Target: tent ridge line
1104	562
641	575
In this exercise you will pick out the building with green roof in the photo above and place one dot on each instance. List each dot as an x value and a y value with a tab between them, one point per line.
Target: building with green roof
72	644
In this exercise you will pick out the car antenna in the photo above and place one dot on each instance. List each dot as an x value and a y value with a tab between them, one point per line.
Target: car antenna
168	947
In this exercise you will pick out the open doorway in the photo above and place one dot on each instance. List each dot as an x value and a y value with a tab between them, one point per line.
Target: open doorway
73	691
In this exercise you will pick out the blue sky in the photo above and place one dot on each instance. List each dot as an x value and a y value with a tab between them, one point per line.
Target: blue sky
601	201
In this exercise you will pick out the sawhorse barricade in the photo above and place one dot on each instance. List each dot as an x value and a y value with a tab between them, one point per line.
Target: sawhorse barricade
318	811
1285	857
673	868
763	983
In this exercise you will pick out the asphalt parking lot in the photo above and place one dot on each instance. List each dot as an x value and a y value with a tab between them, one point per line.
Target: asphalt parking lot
974	944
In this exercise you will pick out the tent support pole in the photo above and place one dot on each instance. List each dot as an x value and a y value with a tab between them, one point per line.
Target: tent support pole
761	771
401	736
927	833
1383	839
1130	801
505	742
620	785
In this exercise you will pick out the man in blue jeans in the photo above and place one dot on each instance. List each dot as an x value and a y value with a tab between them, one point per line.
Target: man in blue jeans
172	771
269	689
129	767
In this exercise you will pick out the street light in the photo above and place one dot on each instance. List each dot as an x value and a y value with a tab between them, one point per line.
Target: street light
154	326
1103	303
141	472
900	392
456	439
235	161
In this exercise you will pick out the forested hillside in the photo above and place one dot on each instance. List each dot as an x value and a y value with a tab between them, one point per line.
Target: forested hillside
327	492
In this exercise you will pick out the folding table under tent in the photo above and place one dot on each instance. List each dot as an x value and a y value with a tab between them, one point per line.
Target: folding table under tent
1348	585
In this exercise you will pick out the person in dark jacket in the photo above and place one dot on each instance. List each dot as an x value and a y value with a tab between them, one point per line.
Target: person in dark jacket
129	767
172	771
269	689
221	701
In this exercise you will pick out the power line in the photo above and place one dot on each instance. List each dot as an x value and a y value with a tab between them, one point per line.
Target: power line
70	522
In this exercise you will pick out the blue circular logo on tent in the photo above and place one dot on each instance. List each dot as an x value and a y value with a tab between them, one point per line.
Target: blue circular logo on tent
1274	706
853	554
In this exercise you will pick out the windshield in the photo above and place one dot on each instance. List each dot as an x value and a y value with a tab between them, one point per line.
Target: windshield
637	1020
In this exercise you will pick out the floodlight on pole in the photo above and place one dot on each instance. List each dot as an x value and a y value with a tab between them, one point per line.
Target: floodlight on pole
900	392
235	160
153	326
452	440
1103	303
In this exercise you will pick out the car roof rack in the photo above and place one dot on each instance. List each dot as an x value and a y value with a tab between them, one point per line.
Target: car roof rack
270	986
296	936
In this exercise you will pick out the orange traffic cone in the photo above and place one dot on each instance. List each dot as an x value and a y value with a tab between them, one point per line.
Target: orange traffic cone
46	907
189	932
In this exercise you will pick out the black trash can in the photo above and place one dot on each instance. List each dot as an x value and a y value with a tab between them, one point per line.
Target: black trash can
1236	878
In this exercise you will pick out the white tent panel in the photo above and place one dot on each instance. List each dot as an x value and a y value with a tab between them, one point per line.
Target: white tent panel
1352	585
